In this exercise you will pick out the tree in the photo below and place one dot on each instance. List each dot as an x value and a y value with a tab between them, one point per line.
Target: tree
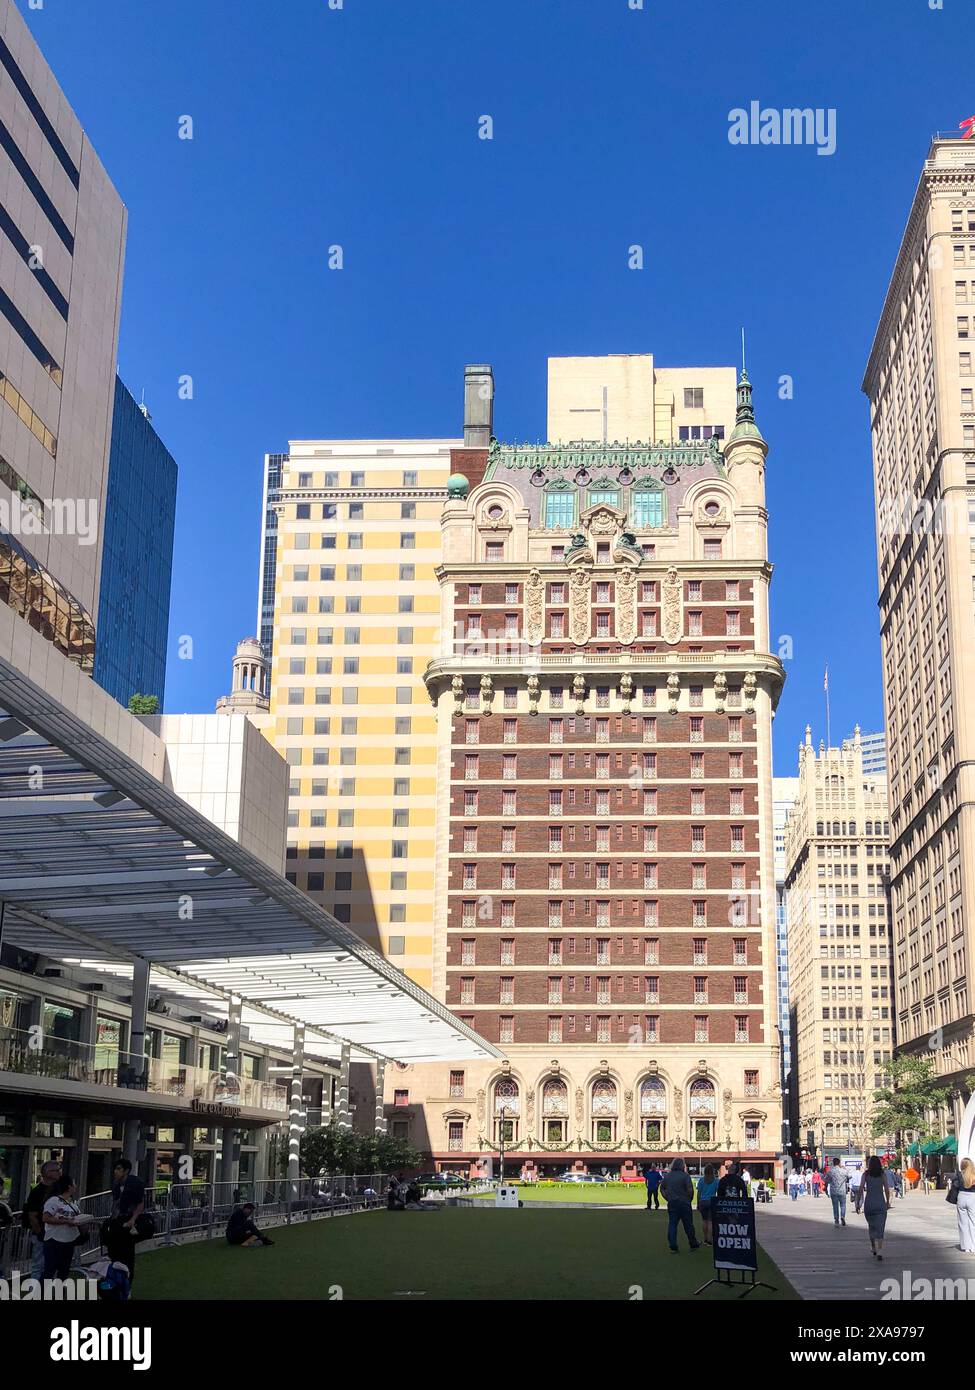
329	1149
144	704
907	1101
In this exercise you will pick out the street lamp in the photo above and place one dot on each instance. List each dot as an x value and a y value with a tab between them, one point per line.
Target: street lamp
502	1112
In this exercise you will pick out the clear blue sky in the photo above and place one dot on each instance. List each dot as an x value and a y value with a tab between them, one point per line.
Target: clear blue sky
359	126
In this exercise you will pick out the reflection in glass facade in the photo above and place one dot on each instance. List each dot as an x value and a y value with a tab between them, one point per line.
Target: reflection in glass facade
139	517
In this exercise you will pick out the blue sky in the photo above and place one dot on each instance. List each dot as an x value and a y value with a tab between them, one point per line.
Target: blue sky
358	126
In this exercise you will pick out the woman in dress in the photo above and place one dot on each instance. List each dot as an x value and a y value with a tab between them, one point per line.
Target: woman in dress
873	1197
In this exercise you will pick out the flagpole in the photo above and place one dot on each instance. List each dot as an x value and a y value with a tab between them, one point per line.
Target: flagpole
826	688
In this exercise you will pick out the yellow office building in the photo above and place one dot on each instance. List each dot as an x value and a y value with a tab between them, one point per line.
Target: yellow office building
351	543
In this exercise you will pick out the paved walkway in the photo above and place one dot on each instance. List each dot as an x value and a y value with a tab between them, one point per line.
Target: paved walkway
823	1261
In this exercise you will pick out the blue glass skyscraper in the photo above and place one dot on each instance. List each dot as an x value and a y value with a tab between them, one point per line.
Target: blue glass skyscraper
138	521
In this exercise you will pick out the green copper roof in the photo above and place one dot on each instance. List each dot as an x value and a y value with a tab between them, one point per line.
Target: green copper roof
745	426
554	458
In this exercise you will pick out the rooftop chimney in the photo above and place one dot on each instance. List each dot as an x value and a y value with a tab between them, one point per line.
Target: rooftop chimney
478	406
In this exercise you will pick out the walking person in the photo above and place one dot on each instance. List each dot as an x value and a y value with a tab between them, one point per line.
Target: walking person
838	1185
964	1185
794	1183
873	1197
653	1179
707	1188
678	1192
33	1214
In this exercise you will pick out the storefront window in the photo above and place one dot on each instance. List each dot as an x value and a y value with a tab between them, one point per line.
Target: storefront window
60	1021
49	1128
101	1131
108	1043
14	1012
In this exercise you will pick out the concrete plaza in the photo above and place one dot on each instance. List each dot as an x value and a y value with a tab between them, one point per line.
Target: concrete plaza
823	1261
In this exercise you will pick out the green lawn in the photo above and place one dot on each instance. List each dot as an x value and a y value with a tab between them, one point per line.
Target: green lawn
456	1253
633	1195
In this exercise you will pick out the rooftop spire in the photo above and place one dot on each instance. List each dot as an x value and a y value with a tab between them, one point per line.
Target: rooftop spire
745	426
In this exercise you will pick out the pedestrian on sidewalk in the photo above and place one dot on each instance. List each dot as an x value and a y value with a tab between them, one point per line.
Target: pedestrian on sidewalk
873	1198
678	1191
817	1183
795	1182
965	1208
838	1185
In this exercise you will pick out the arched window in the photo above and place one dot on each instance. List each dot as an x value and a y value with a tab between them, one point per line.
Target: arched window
604	1106
702	1110
653	1109
507	1110
648	508
702	1097
555	1111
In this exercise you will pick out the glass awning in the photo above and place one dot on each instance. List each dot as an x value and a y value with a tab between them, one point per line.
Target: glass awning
101	864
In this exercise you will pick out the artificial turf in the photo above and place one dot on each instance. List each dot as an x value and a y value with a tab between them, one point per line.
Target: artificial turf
454	1253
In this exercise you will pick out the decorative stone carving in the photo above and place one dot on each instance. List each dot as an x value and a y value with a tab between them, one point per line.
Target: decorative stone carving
673	691
678	1106
602	521
530	1107
534	608
480	1107
580	597
628	1109
720	691
626	692
534	692
750	685
626	606
672	608
579	693
487	693
726	1097
580	1106
457	690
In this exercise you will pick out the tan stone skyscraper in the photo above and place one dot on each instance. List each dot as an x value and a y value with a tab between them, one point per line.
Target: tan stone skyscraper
920	383
604	900
840	986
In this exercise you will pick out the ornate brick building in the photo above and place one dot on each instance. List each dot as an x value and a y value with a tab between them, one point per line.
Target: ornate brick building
604	900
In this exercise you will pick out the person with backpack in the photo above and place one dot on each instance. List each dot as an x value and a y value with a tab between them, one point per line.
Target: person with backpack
838	1185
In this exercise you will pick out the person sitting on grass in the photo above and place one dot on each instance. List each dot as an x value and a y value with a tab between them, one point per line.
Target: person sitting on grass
241	1229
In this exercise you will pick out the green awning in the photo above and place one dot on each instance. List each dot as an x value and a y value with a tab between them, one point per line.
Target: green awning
949	1146
912	1149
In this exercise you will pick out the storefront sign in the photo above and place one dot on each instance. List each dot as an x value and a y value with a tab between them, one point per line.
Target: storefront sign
735	1245
204	1107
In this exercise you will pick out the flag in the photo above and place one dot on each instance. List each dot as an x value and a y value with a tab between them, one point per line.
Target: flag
826	680
968	127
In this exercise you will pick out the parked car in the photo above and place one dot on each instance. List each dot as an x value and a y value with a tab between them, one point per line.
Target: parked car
440	1180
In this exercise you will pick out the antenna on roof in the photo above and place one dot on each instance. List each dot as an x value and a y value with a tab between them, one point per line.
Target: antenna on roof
743	349
143	407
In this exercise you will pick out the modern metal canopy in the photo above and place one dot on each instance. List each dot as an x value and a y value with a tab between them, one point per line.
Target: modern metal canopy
101	864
